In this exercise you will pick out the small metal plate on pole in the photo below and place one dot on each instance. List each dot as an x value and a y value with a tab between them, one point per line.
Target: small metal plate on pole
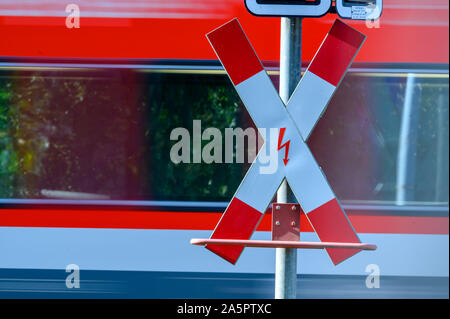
286	222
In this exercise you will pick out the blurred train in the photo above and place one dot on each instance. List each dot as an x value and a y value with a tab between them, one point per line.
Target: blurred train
86	177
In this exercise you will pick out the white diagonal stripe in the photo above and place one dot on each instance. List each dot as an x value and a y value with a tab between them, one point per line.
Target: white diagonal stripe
309	101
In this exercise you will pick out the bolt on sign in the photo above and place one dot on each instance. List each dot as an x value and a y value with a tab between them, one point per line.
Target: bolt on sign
295	122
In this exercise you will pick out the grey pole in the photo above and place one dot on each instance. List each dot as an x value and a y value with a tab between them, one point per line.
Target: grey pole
290	74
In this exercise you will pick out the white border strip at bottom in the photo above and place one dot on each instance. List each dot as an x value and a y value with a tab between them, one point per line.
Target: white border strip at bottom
170	250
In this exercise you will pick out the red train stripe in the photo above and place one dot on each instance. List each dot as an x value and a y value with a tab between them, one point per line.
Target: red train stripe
331	225
130	219
235	51
238	222
120	219
161	38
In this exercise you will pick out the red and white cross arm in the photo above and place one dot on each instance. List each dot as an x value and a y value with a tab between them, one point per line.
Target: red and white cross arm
267	110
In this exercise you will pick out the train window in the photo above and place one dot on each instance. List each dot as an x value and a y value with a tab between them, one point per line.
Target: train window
76	133
105	135
384	138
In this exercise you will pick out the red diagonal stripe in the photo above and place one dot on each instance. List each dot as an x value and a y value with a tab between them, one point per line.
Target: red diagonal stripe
332	225
235	51
347	34
238	222
336	53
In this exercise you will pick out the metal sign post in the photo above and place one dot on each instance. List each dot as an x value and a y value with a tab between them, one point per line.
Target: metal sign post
290	74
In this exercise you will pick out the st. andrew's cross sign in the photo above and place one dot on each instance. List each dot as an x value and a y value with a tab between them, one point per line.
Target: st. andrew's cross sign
295	121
